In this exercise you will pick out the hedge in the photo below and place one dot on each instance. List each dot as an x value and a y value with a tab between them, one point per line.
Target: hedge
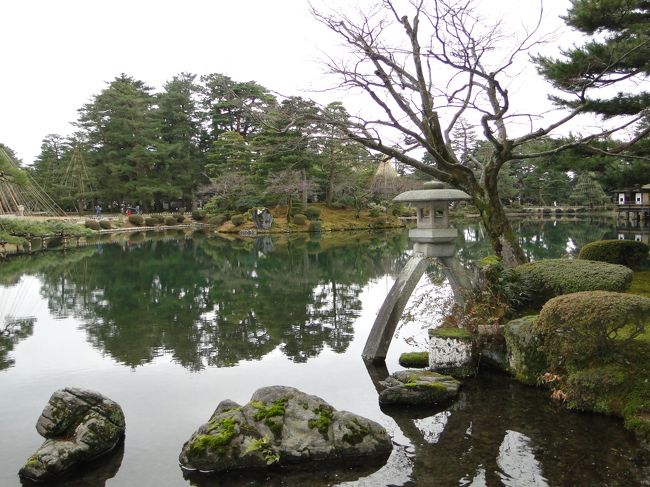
312	212
299	219
137	220
552	277
92	224
315	226
198	215
170	220
217	220
105	224
586	328
624	252
238	220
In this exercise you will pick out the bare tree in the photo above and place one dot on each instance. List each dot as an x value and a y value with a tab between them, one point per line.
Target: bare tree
288	185
426	64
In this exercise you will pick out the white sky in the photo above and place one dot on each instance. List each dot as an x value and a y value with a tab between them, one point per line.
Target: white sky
57	54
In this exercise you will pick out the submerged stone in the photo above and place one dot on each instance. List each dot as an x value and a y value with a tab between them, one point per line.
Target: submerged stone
281	425
418	388
80	425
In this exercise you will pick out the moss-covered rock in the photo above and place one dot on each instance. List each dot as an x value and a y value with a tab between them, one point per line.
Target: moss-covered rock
624	252
553	277
281	425
525	360
79	425
418	388
414	360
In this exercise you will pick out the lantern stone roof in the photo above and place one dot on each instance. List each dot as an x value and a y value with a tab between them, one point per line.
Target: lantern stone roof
433	191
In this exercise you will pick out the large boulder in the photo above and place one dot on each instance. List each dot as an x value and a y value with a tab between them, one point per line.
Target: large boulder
80	425
525	360
418	388
281	425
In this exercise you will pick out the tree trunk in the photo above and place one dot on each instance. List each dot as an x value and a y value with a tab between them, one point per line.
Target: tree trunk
503	239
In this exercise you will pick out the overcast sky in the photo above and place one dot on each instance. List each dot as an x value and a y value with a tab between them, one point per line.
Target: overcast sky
57	54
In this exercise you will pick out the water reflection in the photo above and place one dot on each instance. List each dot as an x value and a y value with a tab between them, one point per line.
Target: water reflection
13	330
212	302
502	433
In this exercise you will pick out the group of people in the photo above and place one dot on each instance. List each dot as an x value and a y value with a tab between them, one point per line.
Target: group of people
129	210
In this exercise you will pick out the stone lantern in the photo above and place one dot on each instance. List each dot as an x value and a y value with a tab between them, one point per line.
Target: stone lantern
432	237
432	205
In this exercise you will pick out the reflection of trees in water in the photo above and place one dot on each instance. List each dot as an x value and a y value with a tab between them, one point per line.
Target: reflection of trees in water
12	330
540	239
210	302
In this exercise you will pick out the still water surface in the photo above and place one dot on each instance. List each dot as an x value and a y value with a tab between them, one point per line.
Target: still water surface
170	326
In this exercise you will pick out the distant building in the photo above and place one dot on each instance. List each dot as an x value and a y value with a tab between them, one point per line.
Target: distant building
633	204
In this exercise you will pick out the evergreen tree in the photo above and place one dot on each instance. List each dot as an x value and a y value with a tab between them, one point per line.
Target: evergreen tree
179	159
121	133
619	51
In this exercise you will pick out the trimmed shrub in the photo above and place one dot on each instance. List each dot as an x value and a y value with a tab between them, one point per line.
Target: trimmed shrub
312	212
217	220
137	220
170	220
92	224
315	227
238	220
180	218
105	224
299	219
552	277
198	215
151	221
374	212
585	328
624	252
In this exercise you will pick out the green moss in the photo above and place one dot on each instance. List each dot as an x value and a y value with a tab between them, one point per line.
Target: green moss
32	462
323	421
415	360
264	446
450	332
220	433
438	386
267	414
356	432
489	260
640	284
276	408
589	328
553	277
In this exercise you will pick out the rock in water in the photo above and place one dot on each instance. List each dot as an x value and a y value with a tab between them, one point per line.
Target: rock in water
281	425
80	425
418	388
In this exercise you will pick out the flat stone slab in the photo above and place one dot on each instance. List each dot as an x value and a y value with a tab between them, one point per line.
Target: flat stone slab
281	425
80	425
418	388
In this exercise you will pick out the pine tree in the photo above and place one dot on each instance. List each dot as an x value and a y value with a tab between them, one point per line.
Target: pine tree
619	51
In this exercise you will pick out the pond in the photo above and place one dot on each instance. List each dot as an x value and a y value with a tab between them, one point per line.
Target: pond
169	326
